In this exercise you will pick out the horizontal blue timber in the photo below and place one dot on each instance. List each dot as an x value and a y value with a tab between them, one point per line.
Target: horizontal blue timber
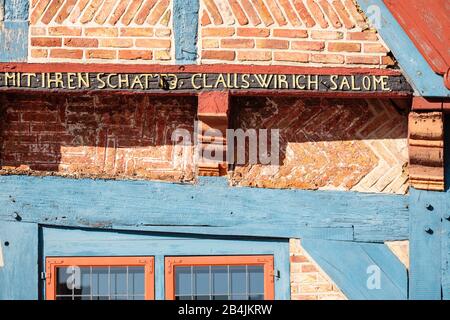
363	271
60	242
210	207
18	261
185	24
416	69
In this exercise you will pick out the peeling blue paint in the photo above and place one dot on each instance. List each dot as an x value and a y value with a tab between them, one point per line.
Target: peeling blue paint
204	209
16	10
416	69
185	24
18	276
429	245
14	31
13	41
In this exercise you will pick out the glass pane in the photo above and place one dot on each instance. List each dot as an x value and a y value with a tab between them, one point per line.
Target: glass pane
220	297
63	275
201	297
118	281
238	280
136	281
201	281
183	281
256	279
256	297
239	297
219	277
82	281
100	281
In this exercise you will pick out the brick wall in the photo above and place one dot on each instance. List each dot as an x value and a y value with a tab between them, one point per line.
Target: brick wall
96	136
331	144
308	281
401	251
293	32
101	31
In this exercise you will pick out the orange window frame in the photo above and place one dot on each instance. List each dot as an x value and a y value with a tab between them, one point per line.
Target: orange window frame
58	262
266	261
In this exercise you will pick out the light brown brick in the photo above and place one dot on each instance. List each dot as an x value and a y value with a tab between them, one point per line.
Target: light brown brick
116	42
218	55
66	53
46	42
81	42
217	32
64	31
135	54
308	45
375	48
237	43
327	35
153	43
327	58
163	55
371	60
137	32
364	35
38	31
101	31
39	53
290	33
344	47
100	54
289	56
253	32
254	56
272	44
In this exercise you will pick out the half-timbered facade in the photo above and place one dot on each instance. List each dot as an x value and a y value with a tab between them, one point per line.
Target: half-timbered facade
224	149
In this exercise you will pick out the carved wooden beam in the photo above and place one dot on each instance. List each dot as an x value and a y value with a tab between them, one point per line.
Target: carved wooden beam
213	110
426	149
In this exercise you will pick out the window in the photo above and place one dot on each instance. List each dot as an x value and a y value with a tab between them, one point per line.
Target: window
100	278
219	278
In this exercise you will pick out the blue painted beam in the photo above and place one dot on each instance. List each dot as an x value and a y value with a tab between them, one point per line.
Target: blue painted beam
14	30
415	68
427	209
19	255
69	242
363	271
16	10
185	25
206	208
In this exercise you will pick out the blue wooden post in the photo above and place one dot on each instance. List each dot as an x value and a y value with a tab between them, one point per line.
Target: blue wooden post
19	255
426	212
13	30
185	25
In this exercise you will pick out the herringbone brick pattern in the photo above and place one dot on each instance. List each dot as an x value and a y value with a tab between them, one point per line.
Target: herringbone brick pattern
328	144
101	30
312	32
96	136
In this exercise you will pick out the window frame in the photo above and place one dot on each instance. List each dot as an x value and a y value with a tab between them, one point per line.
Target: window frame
57	262
184	261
